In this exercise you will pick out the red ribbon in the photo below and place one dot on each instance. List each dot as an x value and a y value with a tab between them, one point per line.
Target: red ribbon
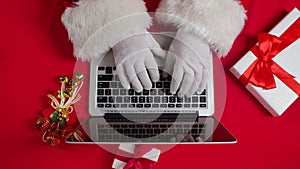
140	163
261	72
137	162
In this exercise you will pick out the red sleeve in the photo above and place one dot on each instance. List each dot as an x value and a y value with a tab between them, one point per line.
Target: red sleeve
152	5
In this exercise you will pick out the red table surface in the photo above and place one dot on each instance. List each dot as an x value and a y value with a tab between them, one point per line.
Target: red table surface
35	50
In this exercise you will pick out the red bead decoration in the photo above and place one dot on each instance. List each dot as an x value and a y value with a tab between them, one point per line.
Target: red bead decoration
42	124
52	138
66	133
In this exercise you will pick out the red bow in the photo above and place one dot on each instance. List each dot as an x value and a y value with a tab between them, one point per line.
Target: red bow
140	163
137	161
261	72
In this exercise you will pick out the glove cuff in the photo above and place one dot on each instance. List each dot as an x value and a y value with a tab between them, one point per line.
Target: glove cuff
217	22
95	26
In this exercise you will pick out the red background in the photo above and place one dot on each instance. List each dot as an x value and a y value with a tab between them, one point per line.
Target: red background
35	50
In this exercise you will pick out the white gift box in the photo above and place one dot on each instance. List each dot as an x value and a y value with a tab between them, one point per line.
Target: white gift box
276	100
152	155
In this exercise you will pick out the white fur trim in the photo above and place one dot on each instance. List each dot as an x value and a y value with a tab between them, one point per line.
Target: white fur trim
95	26
217	22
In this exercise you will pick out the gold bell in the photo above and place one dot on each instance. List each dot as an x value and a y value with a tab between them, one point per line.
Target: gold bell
59	94
73	83
79	76
64	79
68	92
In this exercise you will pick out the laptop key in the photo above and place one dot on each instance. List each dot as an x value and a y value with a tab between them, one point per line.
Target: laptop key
123	92
101	68
163	105
124	105
156	99
111	99
171	105
187	105
164	99
142	100
202	99
100	92
147	126
146	92
114	85
117	78
116	92
119	99
104	85
108	92
167	85
131	92
149	99
105	77
159	85
108	105
126	99
140	106
147	105
178	105
168	92
187	100
153	92
194	105
172	99
179	100
162	78
109	70
155	105
100	105
132	105
195	99
202	105
161	92
134	99
102	99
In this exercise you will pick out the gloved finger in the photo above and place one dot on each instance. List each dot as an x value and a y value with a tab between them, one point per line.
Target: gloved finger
155	47
152	67
189	138
123	76
172	139
196	82
169	63
199	139
180	137
176	78
143	75
204	81
133	78
186	84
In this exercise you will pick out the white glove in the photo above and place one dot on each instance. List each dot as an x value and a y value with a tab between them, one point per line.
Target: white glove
184	61
134	60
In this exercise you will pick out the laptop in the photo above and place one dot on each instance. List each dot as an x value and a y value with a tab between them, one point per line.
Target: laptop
153	116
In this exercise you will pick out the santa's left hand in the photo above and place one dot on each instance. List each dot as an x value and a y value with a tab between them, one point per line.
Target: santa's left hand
185	61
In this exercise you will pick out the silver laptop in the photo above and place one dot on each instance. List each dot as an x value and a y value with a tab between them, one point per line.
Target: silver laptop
153	116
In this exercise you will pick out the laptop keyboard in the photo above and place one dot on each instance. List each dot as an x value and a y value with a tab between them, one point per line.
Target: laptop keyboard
111	94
